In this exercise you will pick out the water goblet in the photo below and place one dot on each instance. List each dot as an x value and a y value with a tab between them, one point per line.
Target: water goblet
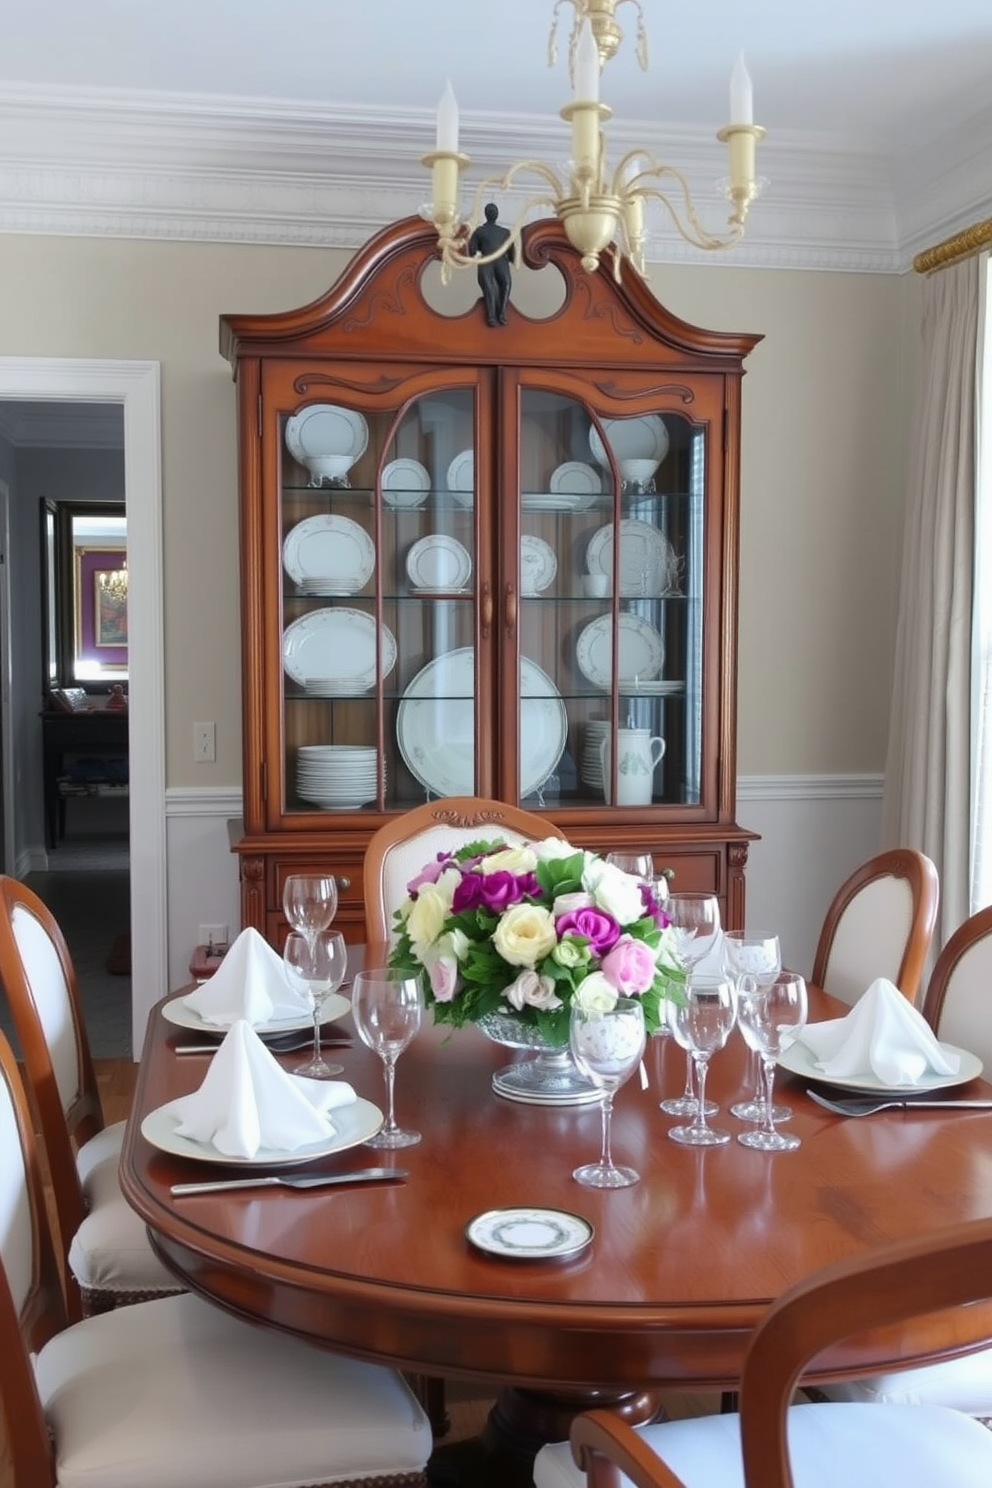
310	902
638	865
316	970
701	1024
607	1045
387	1005
695	923
771	1021
754	961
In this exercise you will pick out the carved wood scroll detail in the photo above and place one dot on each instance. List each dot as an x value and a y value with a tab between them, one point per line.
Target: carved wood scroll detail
678	390
310	380
385	302
480	818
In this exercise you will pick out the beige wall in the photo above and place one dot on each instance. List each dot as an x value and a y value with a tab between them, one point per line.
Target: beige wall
826	417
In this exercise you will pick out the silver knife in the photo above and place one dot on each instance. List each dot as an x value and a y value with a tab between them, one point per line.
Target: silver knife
290	1180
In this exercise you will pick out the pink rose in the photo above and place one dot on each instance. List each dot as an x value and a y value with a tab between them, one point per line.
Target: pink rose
443	973
629	967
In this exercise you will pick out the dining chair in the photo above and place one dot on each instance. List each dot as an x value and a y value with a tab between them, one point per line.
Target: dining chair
173	1390
880	924
773	1443
108	1259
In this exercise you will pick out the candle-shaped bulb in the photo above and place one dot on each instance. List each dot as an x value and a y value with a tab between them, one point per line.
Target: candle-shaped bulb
586	88
447	120
741	102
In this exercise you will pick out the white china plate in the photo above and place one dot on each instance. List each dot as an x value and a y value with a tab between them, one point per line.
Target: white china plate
801	1061
332	553
647	558
636	687
538	564
325	430
176	1011
325	642
355	1124
557	501
575	477
643	438
438	562
529	1234
405	483
641	650
436	719
461	477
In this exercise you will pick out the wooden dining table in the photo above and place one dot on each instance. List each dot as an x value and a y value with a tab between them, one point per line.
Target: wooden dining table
681	1267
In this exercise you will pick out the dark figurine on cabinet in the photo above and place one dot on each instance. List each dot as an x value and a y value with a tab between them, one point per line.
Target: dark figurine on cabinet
494	278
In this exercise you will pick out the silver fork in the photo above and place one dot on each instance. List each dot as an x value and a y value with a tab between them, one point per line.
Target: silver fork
858	1105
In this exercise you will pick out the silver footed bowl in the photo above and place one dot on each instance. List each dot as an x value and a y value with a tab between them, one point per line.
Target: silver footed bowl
514	1032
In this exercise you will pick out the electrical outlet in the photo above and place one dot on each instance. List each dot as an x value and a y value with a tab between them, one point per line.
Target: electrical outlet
212	935
205	743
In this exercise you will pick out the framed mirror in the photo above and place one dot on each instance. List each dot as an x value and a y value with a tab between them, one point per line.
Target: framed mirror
85	594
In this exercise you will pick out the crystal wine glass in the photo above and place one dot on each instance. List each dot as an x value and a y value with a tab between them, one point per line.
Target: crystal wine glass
771	1022
607	1047
701	1024
316	969
310	902
695	923
754	961
387	1005
638	865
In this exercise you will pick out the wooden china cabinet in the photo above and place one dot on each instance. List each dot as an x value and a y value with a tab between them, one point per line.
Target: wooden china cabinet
435	601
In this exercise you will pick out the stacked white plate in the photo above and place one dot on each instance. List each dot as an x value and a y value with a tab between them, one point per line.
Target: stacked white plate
590	760
337	777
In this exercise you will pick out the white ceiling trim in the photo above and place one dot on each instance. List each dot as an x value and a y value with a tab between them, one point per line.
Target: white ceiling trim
167	166
62	426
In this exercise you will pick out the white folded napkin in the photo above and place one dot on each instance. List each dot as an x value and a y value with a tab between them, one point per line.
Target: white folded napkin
882	1036
248	1101
249	983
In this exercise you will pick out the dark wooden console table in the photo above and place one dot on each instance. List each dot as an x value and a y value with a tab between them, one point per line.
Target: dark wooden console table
100	735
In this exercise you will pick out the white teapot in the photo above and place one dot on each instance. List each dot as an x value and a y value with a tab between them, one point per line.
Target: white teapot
637	755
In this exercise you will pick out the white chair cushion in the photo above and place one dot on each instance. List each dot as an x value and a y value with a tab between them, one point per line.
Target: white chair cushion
104	1147
963	1384
110	1250
177	1392
830	1446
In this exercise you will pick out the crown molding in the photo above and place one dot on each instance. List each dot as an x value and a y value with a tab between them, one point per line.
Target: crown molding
89	162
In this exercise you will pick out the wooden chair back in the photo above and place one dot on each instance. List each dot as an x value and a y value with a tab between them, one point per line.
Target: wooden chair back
958	1001
880	924
32	1308
879	1288
397	852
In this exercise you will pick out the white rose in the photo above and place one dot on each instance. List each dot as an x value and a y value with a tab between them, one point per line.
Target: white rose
426	919
522	859
531	990
614	891
666	951
566	903
552	847
525	934
457	943
594	994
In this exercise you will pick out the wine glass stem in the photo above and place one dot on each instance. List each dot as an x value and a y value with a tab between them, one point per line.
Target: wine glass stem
689	1093
606	1113
389	1069
758	1077
699	1063
316	1030
768	1066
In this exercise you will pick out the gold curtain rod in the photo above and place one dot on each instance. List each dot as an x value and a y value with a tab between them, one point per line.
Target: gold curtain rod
952	250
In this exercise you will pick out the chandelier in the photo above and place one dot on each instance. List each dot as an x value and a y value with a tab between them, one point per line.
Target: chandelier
599	210
113	583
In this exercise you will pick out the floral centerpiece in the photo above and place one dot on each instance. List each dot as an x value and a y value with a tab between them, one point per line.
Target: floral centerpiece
526	930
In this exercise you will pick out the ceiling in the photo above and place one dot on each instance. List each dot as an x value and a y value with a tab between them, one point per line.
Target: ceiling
879	112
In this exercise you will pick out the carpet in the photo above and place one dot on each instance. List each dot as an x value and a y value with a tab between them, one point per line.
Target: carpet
119	959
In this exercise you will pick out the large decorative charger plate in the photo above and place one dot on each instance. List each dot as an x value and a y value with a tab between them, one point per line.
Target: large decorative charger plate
530	1234
538	564
435	725
325	430
575	476
332	553
439	562
640	649
355	1124
405	483
334	1007
643	438
647	558
801	1061
327	642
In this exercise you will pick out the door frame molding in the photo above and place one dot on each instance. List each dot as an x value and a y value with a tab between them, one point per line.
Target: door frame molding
136	385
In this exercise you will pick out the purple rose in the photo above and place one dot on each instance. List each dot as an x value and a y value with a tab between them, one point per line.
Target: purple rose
629	967
468	893
430	874
595	925
501	889
654	907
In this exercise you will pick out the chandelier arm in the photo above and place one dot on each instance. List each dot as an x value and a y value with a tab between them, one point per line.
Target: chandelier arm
698	235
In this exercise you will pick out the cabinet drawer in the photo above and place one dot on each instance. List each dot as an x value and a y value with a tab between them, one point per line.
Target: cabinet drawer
348	875
694	872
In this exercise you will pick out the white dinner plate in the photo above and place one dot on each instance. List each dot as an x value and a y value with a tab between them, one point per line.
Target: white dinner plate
801	1061
439	562
530	1234
538	564
640	649
328	553
334	1007
337	642
574	476
647	558
355	1124
325	430
435	725
461	477
636	687
644	438
405	483
561	501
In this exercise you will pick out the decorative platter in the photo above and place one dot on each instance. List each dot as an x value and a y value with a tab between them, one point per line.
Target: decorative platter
355	1124
640	649
575	477
405	483
647	558
461	477
644	438
329	555
538	564
322	643
324	431
529	1234
439	562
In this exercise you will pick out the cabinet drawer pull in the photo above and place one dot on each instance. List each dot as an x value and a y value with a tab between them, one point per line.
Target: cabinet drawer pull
511	609
343	882
486	609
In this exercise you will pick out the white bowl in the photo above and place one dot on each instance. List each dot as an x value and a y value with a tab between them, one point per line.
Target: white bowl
640	471
331	466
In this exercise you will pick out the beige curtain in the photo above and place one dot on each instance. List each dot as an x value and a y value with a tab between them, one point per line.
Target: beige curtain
927	772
